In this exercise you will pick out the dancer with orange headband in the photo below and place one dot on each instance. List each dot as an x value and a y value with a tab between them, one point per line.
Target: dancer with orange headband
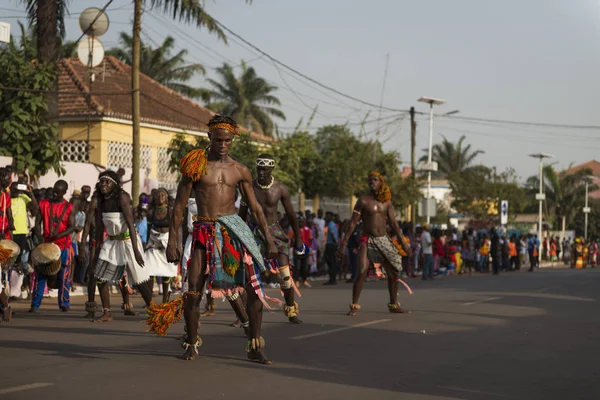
376	210
225	255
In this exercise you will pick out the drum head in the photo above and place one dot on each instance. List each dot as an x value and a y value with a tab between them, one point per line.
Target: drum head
45	253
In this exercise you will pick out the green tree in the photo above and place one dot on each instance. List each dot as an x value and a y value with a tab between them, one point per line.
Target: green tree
452	157
479	189
565	193
248	98
161	65
26	134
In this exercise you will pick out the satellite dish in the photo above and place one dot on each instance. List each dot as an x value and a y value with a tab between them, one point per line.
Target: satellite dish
90	52
93	21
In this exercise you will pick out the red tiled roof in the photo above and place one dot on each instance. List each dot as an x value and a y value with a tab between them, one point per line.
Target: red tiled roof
111	97
593	165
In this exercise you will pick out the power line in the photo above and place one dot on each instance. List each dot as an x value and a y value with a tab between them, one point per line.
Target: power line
303	75
502	121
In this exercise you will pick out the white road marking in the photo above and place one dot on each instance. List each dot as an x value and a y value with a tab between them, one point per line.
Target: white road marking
25	387
345	328
545	289
481	301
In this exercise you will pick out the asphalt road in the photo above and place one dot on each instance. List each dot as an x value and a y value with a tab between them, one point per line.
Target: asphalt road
514	336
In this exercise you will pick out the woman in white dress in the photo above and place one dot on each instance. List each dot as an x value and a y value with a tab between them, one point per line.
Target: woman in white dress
122	251
156	245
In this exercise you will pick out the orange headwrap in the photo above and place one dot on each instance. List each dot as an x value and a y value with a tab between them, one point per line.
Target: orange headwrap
225	126
383	194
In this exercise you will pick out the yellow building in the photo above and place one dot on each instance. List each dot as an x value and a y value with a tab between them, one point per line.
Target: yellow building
95	118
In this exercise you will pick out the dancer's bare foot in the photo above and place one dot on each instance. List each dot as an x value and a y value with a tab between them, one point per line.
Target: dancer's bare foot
294	320
396	309
258	356
90	310
106	317
128	309
208	313
237	323
353	310
191	350
7	314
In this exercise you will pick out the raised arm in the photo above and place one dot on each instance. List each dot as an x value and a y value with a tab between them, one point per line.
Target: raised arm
33	205
183	194
396	228
257	211
125	205
289	210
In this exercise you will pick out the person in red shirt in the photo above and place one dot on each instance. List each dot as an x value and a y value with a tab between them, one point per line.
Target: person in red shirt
6	218
301	261
58	222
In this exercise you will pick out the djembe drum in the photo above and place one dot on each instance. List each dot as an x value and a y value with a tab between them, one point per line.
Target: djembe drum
46	258
9	251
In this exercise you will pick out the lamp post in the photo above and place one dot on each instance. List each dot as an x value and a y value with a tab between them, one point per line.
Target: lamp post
586	209
430	167
541	196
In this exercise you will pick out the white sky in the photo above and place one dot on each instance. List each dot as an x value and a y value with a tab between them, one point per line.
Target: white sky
533	60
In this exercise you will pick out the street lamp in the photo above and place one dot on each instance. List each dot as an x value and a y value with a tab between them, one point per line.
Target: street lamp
586	209
430	167
541	196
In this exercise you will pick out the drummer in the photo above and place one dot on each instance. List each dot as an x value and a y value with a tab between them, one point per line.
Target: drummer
58	223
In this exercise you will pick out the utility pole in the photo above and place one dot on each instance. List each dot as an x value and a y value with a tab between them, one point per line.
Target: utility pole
135	101
413	144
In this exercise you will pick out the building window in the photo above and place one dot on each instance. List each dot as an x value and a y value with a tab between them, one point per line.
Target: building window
163	174
74	151
120	156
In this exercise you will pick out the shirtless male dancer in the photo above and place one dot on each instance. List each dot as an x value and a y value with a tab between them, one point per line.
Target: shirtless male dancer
269	193
225	254
376	211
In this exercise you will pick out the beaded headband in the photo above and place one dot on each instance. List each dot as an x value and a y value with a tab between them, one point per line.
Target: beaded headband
265	162
225	126
108	178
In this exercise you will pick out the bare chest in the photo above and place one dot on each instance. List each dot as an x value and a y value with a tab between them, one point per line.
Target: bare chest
373	208
266	197
220	174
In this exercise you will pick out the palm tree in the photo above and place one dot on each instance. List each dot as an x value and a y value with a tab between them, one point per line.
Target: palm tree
159	65
565	192
47	18
451	157
247	98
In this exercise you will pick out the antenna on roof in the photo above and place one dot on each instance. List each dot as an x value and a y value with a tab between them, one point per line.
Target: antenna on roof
93	22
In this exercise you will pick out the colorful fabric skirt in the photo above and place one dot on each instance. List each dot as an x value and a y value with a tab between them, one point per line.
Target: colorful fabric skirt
279	237
232	256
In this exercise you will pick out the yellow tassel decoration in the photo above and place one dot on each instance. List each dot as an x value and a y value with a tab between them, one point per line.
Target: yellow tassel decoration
5	254
194	164
162	316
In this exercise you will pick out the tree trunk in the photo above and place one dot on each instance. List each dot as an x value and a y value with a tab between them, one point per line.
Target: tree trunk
135	101
47	45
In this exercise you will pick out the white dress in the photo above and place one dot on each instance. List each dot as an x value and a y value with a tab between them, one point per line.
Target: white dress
117	255
156	255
